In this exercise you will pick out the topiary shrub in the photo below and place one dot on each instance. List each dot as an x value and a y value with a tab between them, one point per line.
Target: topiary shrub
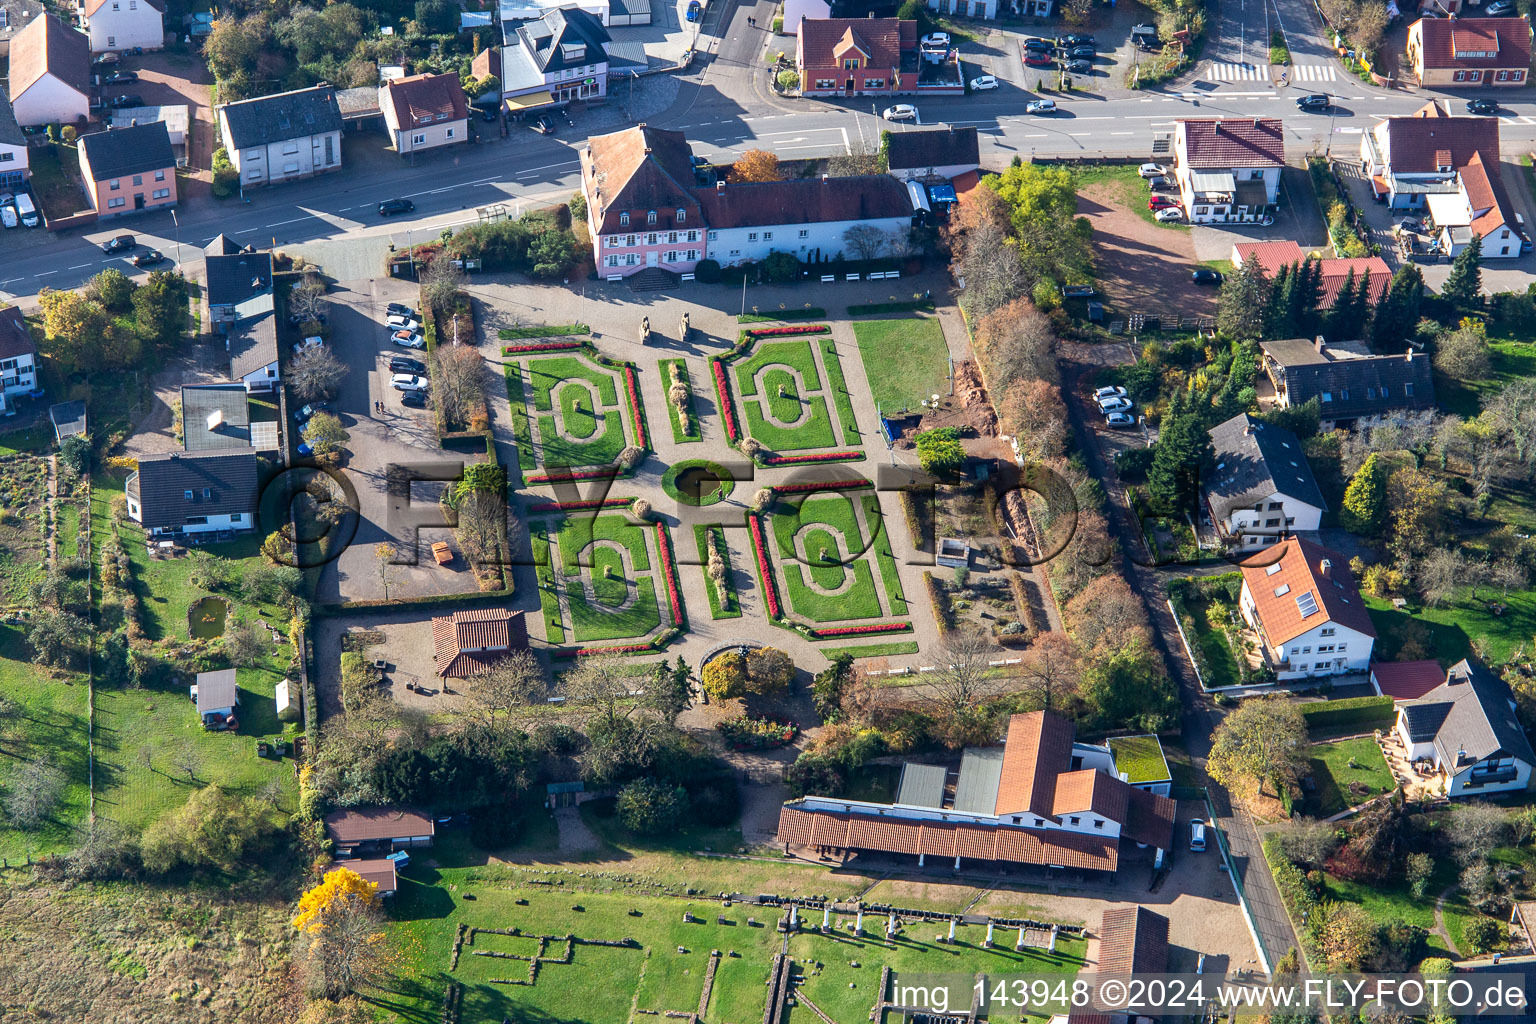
707	271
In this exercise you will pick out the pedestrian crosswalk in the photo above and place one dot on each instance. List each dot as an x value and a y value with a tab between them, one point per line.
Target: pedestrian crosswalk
1221	71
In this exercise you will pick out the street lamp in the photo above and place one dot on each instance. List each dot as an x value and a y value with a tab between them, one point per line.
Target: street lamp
178	240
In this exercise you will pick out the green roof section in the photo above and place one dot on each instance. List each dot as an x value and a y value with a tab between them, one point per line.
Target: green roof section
1141	759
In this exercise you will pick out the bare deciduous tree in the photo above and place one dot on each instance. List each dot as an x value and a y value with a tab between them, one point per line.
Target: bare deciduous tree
441	281
384	562
1052	669
186	757
864	241
244	646
348	950
955	688
599	683
458	382
308	299
32	793
315	373
510	687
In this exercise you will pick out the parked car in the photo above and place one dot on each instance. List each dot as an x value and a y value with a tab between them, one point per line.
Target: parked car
127	99
1525	243
1205	275
982	83
1485	107
543	124
1079	67
900	112
304	414
1077	39
1169	215
304	449
404	323
391	207
1197	835
1037	60
306	318
120	76
933	39
1119	403
1110	391
399	309
1038	45
1411	225
408	382
121	243
1314	101
1120	420
103	59
1162	183
8	216
1083	52
1500	9
405	364
1040	107
1162	203
1152	170
408	339
415	399
313	341
147	258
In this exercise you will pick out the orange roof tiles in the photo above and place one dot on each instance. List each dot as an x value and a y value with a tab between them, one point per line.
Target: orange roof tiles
1274	255
1448	42
48	46
880	40
472	641
1089	790
426	99
1275	594
1038	747
1133	940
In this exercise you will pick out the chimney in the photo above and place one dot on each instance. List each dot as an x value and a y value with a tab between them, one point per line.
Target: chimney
1318	343
1216	128
824	178
1248	430
1326	566
1409	356
1257	124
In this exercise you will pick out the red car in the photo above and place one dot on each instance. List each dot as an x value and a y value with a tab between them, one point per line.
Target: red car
1037	60
1162	203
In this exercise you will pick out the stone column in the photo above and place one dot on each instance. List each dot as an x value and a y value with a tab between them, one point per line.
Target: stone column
1054	929
1020	944
890	924
989	934
858	924
826	918
951	938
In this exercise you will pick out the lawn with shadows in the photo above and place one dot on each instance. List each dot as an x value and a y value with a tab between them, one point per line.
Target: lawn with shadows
905	361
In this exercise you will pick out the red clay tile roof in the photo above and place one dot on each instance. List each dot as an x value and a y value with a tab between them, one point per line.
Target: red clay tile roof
1274	255
48	46
1446	41
1233	142
426	99
803	201
364	824
487	62
636	171
1038	748
1090	790
1300	561
472	641
1149	818
1485	192
880	40
1133	940
92	6
1407	680
1431	139
15	338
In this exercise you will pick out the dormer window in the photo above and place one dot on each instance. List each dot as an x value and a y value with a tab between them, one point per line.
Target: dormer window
623	220
650	218
850	63
682	216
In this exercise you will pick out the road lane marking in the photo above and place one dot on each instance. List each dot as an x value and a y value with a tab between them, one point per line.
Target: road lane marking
79	266
293	220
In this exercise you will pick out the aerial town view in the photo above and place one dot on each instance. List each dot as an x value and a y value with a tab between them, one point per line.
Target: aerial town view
841	511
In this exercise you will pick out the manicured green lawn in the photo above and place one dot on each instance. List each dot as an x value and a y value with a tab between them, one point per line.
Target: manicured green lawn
834	510
887	561
542	331
781	394
679	435
722	605
578	531
873	650
861	600
795	353
590	623
577	413
1447	631
549	601
522	429
905	360
608	577
20	442
548	371
50	725
1219	666
1330	766
575	536
813	432
562	453
838	385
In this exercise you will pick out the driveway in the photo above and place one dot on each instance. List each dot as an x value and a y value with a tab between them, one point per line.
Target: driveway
397	435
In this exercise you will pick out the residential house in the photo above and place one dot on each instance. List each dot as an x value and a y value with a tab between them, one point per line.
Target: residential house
283	137
127	170
1370	271
68	419
15	168
379	872
216	696
424	112
932	155
987	9
1467	728
1349	381
123	24
644	209
1448	168
240	307
378	829
1228	169
869	57
553	59
14	16
1262	488
1446	52
511	13
470	642
175	493
796	11
18	359
1406	680
50	73
1040	799
1302	600
806	217
217	417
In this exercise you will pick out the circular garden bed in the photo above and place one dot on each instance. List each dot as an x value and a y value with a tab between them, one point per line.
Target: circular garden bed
697	482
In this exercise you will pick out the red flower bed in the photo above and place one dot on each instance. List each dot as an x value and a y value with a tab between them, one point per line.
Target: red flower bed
725	399
634	406
577	506
579	652
880	627
790	460
825	485
769	588
774	332
543	346
561	478
663	544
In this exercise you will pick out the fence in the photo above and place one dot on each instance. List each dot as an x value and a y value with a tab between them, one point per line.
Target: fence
1267	957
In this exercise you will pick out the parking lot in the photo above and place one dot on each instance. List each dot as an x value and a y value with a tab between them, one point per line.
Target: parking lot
395	435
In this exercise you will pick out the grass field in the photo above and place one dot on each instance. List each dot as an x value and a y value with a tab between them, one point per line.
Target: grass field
577	413
883	556
576	532
860	600
522	428
1330	766
49	724
1219	665
574	537
596	432
814	432
723	603
841	399
549	601
547	372
1446	632
589	623
796	354
873	650
679	435
1509	359
905	360
23	546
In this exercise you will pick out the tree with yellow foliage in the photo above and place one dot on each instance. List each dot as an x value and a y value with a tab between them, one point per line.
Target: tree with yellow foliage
756	165
342	945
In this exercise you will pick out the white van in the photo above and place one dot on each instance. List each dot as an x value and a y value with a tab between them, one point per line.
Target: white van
8	215
27	209
1197	835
